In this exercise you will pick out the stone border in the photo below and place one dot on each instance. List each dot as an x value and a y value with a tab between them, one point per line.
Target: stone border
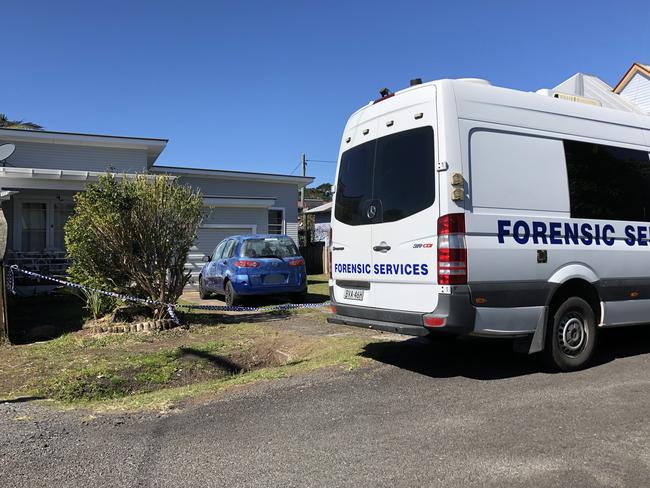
150	326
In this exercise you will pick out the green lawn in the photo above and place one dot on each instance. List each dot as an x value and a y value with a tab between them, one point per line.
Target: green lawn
317	286
116	371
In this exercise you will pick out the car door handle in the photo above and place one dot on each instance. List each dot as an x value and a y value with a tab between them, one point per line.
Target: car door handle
381	248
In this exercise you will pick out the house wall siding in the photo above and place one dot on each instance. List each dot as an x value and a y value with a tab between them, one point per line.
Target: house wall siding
77	157
237	216
285	194
637	91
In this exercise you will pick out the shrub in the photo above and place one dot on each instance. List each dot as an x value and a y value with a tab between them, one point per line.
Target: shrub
131	235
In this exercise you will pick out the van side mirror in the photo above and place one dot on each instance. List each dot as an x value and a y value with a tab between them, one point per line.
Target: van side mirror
206	259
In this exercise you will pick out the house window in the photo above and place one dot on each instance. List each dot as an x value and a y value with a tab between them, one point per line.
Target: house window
34	226
276	221
62	212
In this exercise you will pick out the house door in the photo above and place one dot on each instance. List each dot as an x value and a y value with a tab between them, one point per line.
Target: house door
34	226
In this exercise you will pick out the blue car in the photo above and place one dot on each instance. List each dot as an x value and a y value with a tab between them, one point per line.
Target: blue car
254	265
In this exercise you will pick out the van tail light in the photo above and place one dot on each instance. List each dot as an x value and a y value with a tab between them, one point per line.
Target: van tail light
297	262
244	263
432	321
452	250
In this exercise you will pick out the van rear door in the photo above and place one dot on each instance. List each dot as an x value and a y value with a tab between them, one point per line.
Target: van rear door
404	237
351	234
385	213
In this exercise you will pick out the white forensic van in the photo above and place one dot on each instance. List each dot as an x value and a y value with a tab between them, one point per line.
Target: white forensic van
464	208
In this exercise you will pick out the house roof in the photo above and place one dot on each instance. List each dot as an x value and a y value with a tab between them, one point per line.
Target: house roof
592	87
634	69
153	146
325	208
233	175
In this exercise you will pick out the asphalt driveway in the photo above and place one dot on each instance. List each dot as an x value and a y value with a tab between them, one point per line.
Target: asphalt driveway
457	414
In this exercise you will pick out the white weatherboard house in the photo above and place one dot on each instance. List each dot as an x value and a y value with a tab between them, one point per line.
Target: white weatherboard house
38	181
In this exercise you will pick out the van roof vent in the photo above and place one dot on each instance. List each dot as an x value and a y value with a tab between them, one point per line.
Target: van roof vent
569	97
479	81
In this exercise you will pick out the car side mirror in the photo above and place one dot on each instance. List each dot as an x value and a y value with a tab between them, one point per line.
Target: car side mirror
206	259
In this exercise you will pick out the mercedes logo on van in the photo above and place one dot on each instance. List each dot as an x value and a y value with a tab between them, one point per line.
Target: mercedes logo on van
372	211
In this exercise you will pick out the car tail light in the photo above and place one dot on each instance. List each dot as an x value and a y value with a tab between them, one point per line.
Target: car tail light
452	250
333	308
244	263
297	262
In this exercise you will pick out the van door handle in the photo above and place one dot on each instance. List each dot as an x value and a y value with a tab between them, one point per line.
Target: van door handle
381	248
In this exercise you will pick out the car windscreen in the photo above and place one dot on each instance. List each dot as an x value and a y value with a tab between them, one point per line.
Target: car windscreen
269	247
395	174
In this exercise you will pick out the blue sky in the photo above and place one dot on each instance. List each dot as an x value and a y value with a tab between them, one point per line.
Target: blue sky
250	85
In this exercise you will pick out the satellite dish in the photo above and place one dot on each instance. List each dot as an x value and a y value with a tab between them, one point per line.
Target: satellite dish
6	150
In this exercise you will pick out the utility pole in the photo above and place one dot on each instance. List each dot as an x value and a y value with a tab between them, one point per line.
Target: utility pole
303	161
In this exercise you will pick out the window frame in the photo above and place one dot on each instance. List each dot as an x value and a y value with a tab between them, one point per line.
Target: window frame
16	226
216	254
282	224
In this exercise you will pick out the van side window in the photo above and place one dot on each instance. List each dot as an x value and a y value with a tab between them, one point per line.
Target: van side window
608	182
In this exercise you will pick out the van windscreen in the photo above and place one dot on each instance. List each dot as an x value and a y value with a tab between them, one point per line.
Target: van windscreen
394	173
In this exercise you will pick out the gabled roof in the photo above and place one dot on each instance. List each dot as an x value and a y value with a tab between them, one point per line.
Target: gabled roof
634	69
153	146
589	86
233	175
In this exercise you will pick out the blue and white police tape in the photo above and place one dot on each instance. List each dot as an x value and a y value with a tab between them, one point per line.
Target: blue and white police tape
125	298
170	307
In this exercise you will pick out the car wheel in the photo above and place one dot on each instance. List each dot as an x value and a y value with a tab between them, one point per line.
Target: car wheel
230	295
571	335
203	293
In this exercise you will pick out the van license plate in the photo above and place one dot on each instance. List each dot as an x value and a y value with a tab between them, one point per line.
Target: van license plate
353	295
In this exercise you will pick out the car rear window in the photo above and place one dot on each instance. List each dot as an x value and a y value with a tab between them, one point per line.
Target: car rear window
394	173
269	247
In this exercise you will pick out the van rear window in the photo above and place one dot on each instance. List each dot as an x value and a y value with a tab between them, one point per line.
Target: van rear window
395	174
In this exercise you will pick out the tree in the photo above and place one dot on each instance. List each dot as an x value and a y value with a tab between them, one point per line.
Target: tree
5	123
132	235
323	191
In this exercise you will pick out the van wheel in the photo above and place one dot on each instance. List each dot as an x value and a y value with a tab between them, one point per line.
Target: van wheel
571	337
203	293
230	295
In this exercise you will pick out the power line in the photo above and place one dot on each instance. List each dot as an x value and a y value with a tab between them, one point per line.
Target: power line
294	169
321	161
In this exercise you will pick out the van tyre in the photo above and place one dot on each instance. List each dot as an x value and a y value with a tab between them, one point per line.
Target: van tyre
203	293
231	297
571	335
